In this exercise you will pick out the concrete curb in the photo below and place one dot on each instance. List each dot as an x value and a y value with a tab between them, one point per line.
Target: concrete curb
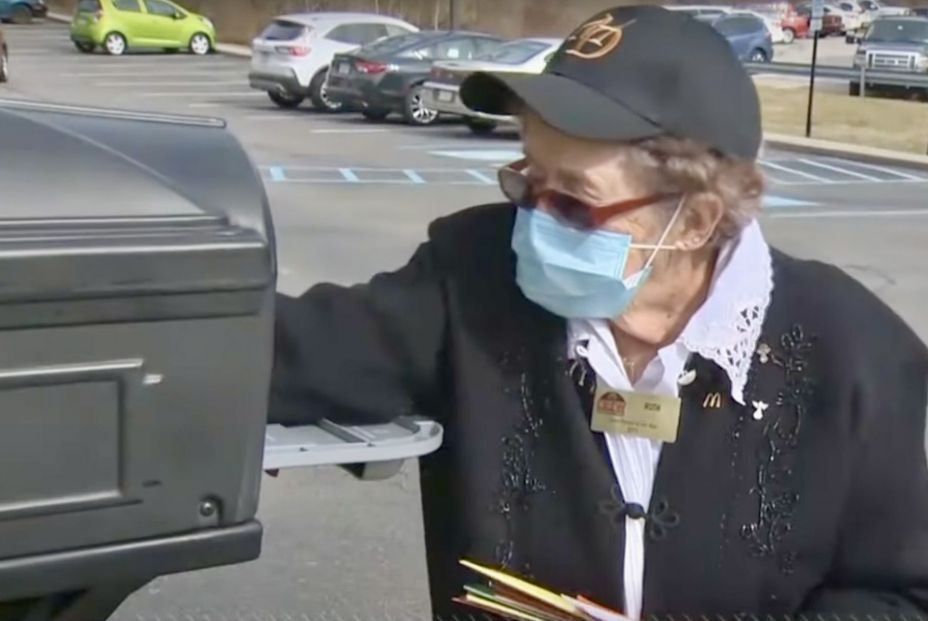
229	49
869	154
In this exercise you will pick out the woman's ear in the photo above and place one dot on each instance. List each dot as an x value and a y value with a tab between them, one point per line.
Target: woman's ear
700	217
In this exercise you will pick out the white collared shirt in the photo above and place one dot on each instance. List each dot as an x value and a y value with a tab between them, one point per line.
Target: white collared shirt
724	330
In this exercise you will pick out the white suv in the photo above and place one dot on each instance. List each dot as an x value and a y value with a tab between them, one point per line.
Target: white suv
291	58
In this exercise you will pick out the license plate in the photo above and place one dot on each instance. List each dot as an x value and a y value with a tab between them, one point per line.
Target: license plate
343	68
444	96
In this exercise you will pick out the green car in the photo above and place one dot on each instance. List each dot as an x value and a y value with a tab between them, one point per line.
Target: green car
118	25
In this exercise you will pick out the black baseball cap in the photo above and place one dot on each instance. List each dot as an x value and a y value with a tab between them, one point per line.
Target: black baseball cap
636	72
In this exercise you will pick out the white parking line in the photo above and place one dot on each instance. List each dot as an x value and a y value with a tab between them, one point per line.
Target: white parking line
87	64
200	83
16	50
269	117
479	176
148	74
190	94
16	53
792	171
868	213
367	130
890	171
839	169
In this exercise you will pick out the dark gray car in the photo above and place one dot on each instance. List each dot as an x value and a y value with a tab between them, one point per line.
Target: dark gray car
387	76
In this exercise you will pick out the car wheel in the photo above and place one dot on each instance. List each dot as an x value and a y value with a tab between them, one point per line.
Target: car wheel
86	48
285	100
758	56
375	114
115	44
853	89
21	14
789	35
4	66
318	95
481	127
415	111
200	44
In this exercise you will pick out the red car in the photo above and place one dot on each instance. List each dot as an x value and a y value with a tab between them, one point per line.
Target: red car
794	25
831	22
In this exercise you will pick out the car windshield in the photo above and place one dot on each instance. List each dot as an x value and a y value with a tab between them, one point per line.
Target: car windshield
88	6
283	30
897	31
392	44
514	53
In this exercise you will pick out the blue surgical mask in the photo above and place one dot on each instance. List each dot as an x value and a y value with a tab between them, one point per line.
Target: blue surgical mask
577	274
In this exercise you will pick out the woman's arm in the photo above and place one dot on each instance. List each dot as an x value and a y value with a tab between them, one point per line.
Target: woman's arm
881	565
362	354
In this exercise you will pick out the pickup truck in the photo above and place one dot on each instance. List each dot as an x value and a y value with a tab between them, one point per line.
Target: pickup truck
879	9
893	44
873	9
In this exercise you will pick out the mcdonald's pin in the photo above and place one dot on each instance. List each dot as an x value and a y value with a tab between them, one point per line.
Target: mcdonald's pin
713	400
687	377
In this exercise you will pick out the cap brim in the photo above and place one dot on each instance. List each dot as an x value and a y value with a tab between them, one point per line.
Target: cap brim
566	105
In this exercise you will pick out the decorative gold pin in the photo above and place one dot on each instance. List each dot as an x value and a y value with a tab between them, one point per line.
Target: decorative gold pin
759	408
763	353
713	400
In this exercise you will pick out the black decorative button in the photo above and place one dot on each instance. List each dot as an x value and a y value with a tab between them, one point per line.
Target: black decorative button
635	511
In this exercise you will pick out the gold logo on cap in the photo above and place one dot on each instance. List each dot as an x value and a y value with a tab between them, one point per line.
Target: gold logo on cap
596	39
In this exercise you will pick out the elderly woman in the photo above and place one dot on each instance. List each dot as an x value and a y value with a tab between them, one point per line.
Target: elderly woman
643	401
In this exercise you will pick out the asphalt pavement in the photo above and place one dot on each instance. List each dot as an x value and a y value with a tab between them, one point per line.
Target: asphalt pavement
350	198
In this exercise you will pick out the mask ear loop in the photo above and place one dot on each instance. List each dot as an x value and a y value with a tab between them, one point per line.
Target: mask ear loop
660	242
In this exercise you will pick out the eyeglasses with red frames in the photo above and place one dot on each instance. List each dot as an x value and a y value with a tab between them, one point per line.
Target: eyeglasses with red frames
518	188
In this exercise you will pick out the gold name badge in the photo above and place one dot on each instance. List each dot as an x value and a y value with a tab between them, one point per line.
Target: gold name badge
648	416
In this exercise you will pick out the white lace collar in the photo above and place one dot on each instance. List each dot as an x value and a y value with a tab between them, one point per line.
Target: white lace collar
727	327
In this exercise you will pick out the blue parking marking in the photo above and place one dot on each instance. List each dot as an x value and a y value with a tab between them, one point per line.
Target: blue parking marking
349	175
414	177
793	170
392	176
772	201
430	176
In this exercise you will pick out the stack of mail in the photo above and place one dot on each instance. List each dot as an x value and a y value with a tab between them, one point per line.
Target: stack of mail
512	597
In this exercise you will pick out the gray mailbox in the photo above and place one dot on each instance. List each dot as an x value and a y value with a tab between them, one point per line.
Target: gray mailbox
137	277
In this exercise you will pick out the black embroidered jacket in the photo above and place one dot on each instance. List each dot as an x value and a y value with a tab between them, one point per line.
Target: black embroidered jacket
821	506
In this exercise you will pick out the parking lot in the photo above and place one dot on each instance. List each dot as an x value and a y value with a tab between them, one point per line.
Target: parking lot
351	197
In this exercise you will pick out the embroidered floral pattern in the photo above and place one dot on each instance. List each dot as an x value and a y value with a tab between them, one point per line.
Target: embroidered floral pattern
776	499
660	519
519	481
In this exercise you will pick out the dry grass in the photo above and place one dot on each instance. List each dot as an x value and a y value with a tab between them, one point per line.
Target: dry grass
870	121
